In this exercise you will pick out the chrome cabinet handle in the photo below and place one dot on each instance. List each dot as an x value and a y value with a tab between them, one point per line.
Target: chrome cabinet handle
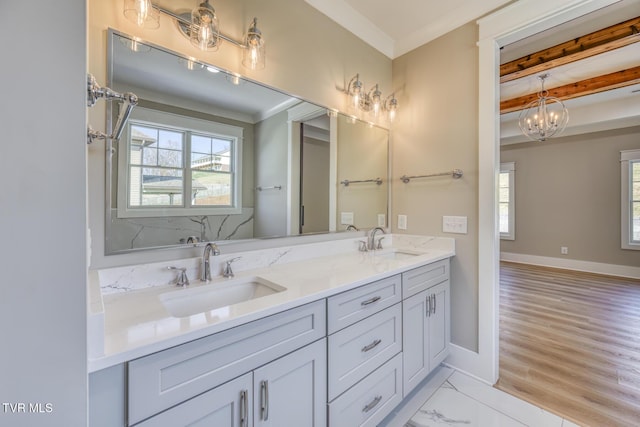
434	303
264	400
372	404
370	301
427	302
244	409
371	346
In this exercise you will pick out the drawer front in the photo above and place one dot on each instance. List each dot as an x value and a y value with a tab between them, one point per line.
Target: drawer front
371	400
166	378
348	307
421	278
356	351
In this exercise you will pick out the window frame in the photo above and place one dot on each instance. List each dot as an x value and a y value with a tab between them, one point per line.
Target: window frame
510	168
188	125
627	159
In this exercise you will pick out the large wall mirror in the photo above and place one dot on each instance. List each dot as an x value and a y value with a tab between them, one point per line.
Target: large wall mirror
209	156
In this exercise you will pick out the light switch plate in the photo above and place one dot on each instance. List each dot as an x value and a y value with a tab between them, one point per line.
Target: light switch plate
454	224
402	222
382	220
346	218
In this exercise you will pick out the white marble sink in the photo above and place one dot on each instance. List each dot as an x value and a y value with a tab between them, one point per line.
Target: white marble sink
397	254
190	301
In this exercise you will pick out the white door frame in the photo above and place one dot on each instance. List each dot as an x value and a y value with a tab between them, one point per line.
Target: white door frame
514	22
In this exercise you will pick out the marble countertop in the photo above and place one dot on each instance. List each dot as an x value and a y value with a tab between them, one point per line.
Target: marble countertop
135	323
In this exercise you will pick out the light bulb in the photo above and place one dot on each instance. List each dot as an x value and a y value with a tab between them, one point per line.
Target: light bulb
143	11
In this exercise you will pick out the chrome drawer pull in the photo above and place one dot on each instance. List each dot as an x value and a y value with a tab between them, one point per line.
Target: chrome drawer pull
371	301
427	302
264	400
372	404
371	346
244	409
434	303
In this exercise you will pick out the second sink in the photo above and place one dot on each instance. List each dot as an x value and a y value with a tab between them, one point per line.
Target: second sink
187	302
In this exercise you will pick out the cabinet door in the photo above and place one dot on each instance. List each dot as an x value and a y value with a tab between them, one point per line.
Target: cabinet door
439	324
292	390
415	340
228	405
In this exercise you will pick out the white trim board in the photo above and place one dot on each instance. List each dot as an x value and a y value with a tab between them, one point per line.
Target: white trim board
509	24
573	264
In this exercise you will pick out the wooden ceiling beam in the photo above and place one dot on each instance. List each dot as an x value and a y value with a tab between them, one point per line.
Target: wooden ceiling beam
590	86
610	38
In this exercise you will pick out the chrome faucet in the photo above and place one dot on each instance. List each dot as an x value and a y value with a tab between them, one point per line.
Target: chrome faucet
209	248
371	242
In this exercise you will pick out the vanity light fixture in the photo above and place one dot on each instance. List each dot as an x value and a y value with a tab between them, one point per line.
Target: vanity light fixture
371	102
201	27
544	117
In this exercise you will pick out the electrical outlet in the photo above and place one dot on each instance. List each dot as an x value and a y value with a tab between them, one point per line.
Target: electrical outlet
402	222
382	220
564	250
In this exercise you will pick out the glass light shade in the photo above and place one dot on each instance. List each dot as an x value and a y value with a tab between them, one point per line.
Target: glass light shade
392	108
376	102
142	13
205	29
253	55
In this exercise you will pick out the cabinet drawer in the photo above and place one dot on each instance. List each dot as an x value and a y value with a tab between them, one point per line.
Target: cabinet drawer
372	399
348	307
421	278
166	378
356	351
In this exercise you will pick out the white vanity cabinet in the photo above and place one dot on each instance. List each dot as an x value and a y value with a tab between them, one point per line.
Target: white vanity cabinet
287	391
426	321
163	380
364	346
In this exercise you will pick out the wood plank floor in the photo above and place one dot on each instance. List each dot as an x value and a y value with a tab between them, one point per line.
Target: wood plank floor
570	343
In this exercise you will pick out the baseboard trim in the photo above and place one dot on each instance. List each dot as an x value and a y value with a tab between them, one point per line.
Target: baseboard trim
573	264
469	363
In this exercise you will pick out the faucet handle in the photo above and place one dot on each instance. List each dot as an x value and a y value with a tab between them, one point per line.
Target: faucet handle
363	246
379	245
228	272
182	279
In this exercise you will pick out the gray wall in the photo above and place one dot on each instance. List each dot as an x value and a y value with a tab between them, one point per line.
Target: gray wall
436	131
43	212
568	194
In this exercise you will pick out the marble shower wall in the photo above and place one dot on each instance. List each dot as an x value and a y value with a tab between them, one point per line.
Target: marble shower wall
134	233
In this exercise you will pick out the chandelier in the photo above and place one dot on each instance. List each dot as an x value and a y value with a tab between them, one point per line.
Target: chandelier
544	117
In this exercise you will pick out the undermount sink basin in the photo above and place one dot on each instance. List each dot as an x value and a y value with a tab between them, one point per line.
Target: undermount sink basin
186	302
397	254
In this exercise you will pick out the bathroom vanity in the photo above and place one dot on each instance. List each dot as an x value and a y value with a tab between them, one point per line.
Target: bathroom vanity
335	340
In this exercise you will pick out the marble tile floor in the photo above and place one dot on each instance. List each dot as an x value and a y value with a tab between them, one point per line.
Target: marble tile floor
451	398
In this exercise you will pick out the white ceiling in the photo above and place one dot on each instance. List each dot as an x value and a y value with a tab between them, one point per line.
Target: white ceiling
397	27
